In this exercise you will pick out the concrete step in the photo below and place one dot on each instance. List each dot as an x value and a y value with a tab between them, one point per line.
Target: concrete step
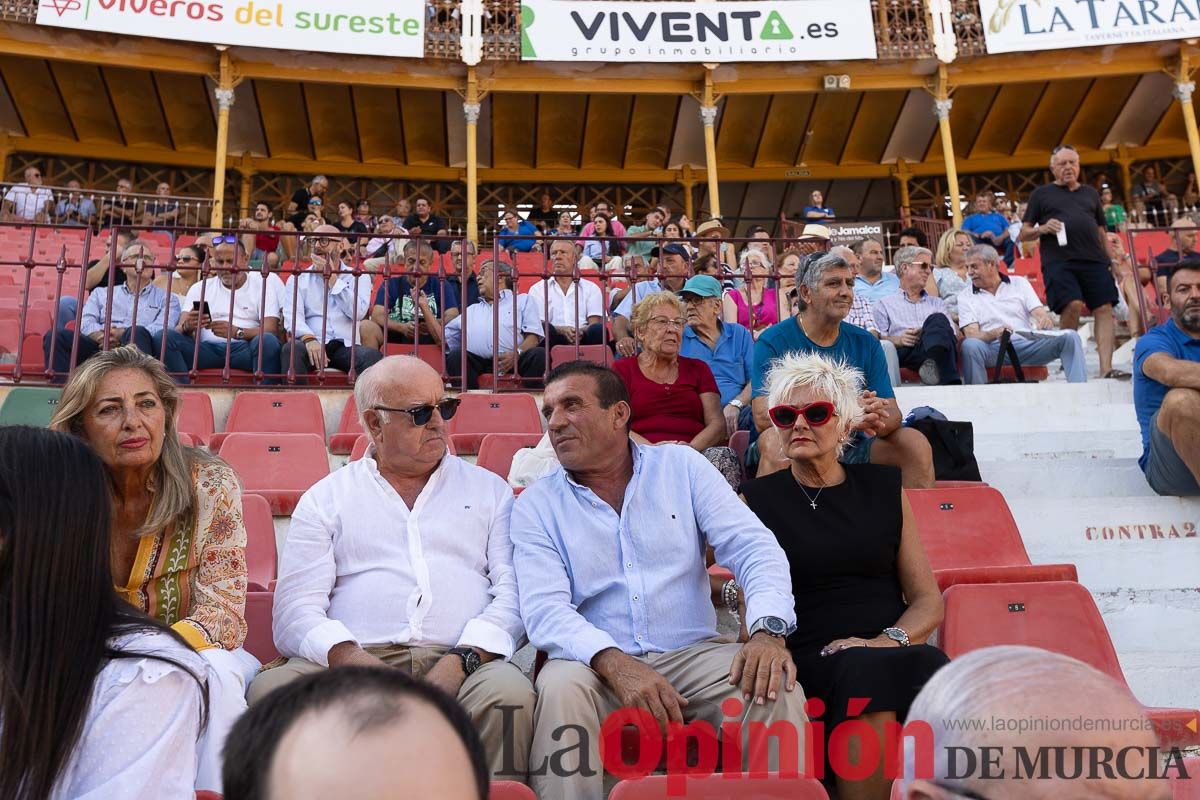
1060	479
1069	398
1058	445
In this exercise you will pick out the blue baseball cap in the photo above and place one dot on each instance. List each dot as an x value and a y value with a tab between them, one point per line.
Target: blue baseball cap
701	286
675	248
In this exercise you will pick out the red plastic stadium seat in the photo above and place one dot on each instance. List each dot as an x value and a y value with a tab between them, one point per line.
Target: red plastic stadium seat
1187	788
724	573
279	466
261	560
273	412
196	416
481	414
349	429
431	354
497	450
970	536
28	350
510	790
1059	616
959	484
260	642
596	353
205	794
719	787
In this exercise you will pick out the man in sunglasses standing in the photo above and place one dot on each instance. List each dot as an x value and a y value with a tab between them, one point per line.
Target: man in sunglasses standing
403	559
326	316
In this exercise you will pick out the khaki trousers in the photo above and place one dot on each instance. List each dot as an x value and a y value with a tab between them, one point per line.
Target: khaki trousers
573	701
497	696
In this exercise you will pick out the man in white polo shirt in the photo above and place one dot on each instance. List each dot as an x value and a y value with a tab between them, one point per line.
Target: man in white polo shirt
572	311
29	201
995	303
251	331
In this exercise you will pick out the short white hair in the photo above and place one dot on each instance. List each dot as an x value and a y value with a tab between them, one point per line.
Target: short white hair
990	681
744	261
371	383
837	381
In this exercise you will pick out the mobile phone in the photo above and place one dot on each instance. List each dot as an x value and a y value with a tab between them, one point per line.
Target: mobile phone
203	309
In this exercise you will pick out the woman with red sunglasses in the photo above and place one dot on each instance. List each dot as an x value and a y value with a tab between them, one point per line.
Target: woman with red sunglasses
866	599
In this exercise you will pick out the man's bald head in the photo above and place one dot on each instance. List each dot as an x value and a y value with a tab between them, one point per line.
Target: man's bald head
1021	701
392	377
327	229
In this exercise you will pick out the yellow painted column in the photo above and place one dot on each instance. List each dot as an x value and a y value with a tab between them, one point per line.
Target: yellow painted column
708	115
224	95
244	208
901	174
1125	162
688	182
471	107
941	107
1183	93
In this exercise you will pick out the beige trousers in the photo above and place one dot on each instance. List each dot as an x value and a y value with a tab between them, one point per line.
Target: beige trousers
573	701
506	732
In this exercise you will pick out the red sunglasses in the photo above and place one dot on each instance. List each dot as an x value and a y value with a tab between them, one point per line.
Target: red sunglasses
815	414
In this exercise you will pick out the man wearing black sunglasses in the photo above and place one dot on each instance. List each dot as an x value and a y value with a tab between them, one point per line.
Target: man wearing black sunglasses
326	316
402	559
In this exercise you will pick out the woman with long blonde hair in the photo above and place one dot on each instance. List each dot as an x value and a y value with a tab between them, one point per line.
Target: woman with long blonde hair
178	539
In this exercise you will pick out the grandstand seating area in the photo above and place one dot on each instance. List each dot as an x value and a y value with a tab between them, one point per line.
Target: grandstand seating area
980	550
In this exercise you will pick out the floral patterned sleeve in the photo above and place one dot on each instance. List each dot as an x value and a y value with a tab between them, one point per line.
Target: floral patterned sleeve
217	581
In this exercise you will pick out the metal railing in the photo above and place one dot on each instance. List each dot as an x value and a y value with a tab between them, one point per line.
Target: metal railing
101	208
53	313
901	28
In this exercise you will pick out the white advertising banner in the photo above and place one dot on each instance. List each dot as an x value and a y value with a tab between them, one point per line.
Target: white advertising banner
368	27
633	32
1021	25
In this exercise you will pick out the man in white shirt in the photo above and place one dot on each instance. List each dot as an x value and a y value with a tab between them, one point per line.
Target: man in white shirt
572	310
403	559
242	316
996	303
29	201
517	344
327	320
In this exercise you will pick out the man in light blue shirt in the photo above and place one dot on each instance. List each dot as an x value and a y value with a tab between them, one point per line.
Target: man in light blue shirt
139	312
727	348
870	280
326	315
517	343
610	554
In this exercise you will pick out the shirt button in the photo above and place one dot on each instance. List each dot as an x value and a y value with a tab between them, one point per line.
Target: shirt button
639	638
629	564
635	597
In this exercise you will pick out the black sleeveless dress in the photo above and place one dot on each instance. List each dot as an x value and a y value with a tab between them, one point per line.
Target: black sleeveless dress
845	581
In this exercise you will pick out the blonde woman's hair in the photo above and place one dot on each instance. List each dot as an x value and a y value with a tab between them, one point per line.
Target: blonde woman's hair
646	306
946	244
836	381
174	500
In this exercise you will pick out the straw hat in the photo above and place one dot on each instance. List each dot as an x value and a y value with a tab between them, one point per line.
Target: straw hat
706	229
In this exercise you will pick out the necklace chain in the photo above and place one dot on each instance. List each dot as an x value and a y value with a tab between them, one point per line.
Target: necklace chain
812	499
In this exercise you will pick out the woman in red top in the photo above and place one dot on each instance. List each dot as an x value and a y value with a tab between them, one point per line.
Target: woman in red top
673	398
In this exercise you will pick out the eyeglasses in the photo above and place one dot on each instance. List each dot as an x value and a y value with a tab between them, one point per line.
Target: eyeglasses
186	259
920	264
146	259
230	239
665	322
321	240
422	414
815	414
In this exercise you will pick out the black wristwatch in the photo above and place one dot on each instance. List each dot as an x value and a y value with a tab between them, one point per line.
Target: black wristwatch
470	658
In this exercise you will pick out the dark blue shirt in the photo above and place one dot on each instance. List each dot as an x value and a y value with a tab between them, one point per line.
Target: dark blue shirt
1148	393
731	361
854	346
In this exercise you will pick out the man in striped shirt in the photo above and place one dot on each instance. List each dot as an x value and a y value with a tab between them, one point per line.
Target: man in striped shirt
917	323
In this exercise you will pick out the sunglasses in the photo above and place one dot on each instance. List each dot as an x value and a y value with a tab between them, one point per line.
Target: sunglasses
815	414
216	240
422	414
